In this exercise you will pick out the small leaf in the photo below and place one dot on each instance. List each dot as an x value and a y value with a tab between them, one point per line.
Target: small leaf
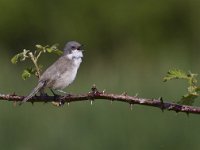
15	58
20	56
192	78
54	46
39	46
175	74
26	74
49	50
58	52
54	49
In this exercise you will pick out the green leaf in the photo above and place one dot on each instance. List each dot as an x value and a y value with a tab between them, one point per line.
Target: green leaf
175	74
26	74
192	78
188	99
54	46
15	58
49	50
39	46
21	56
54	49
58	52
192	89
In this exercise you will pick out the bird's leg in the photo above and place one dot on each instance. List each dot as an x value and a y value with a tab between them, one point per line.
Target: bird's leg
56	96
61	103
42	93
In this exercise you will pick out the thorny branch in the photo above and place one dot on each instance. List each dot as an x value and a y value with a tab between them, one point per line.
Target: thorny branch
94	94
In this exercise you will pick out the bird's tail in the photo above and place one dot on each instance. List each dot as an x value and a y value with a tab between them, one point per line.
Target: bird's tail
34	91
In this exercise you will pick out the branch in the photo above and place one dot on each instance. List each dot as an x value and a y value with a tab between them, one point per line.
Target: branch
94	94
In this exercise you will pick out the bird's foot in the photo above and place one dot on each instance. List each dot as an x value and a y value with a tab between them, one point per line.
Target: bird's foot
58	104
57	101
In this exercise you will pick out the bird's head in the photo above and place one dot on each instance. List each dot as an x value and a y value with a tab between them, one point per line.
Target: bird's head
74	49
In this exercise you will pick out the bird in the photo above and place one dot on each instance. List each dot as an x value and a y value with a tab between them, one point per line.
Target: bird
62	72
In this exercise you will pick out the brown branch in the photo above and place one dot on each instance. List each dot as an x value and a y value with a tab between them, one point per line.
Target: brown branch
95	94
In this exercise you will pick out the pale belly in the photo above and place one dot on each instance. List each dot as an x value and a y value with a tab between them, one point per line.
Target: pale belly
64	80
68	77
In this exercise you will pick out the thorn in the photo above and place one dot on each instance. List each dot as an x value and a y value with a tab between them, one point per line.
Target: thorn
32	103
131	106
124	93
61	103
94	85
13	94
94	90
136	95
68	104
161	99
162	103
187	113
91	102
177	111
104	91
111	102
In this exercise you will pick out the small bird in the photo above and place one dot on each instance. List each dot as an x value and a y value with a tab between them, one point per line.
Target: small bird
62	72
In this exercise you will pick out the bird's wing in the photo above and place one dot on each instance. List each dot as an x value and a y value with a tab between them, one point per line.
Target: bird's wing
55	70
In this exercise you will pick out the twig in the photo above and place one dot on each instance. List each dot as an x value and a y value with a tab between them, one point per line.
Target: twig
94	94
34	60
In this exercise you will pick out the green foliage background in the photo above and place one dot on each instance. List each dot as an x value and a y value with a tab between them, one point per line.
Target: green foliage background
129	46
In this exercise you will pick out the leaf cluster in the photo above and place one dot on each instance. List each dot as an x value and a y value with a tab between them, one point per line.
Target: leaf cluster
34	57
192	89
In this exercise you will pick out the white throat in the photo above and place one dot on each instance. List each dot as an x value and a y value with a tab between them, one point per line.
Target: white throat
76	54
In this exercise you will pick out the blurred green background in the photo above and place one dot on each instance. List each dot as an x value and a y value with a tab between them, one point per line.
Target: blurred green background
129	46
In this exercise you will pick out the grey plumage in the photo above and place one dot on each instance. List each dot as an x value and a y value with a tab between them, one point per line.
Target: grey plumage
62	72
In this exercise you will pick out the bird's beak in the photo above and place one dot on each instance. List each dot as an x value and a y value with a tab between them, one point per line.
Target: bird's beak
80	48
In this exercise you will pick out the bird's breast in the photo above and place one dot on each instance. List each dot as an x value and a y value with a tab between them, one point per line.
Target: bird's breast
68	76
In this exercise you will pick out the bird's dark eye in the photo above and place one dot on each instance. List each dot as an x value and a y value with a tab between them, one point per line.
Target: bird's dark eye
73	47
